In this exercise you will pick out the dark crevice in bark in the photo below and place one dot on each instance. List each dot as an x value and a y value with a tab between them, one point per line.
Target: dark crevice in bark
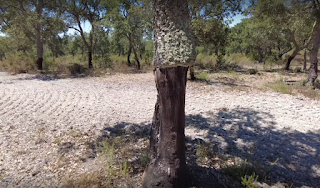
154	135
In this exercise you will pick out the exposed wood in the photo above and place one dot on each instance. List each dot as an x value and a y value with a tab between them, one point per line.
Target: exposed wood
168	169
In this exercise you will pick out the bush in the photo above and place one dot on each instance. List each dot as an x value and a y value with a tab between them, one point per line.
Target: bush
253	71
297	70
76	69
18	63
205	61
202	76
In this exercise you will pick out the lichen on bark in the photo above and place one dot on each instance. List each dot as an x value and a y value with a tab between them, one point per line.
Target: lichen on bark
174	43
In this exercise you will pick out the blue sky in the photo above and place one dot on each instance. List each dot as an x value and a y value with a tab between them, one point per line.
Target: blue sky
236	19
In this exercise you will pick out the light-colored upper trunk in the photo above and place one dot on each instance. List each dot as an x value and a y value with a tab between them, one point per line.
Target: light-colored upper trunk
174	43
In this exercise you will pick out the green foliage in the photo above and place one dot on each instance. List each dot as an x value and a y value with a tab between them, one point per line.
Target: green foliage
18	63
202	76
249	182
204	61
245	173
204	150
280	86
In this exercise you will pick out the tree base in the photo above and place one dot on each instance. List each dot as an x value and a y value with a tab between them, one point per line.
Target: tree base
39	63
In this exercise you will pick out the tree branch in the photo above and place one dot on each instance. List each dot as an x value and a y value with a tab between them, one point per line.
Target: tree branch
74	29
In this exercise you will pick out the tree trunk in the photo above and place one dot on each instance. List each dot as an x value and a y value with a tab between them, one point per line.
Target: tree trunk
129	54
168	169
192	76
136	58
39	42
90	60
292	56
305	60
313	71
154	134
174	52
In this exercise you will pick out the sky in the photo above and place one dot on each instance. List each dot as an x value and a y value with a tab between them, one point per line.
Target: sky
237	19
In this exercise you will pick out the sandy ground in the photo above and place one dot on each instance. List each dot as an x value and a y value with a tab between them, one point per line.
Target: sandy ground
39	117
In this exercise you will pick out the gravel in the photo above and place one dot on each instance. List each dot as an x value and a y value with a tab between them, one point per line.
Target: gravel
45	123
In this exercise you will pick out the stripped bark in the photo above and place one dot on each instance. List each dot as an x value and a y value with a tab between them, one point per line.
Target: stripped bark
168	168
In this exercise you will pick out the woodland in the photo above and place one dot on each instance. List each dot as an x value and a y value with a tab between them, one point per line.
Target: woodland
274	47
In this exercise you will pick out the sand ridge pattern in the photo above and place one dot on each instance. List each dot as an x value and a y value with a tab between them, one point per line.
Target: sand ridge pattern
39	117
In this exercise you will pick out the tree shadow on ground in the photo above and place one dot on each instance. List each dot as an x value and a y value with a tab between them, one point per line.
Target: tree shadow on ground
243	133
253	135
136	137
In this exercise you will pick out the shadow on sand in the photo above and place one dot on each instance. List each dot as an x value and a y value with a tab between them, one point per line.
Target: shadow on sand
250	135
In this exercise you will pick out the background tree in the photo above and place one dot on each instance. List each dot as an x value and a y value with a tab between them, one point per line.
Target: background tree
80	11
35	18
131	19
287	17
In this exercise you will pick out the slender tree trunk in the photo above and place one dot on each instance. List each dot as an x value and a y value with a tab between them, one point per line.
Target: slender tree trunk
90	59
136	58
90	47
292	56
128	56
39	42
192	76
168	169
313	71
129	51
305	60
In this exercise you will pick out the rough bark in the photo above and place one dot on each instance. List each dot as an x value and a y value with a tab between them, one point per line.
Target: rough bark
154	134
313	71
174	42
168	169
292	56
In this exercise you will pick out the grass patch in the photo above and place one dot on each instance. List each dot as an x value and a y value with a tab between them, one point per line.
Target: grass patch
202	76
280	87
204	152
295	89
